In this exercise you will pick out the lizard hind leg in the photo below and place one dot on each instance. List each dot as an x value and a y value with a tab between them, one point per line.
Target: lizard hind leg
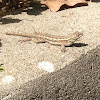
25	40
38	40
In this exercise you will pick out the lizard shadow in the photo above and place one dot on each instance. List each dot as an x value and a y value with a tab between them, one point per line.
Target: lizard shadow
78	45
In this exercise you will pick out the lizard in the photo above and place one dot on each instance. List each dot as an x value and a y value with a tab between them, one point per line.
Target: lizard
52	39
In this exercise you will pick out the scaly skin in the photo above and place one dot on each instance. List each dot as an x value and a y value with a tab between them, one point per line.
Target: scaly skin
52	39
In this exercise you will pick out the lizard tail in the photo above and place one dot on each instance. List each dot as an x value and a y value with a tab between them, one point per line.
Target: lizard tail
18	34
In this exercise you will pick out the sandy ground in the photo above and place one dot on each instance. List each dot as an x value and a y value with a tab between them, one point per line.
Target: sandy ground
27	61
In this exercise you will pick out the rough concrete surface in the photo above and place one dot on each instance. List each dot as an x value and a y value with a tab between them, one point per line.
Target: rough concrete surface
80	80
27	61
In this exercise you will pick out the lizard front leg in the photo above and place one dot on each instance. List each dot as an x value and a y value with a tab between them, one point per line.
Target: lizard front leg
63	49
25	40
